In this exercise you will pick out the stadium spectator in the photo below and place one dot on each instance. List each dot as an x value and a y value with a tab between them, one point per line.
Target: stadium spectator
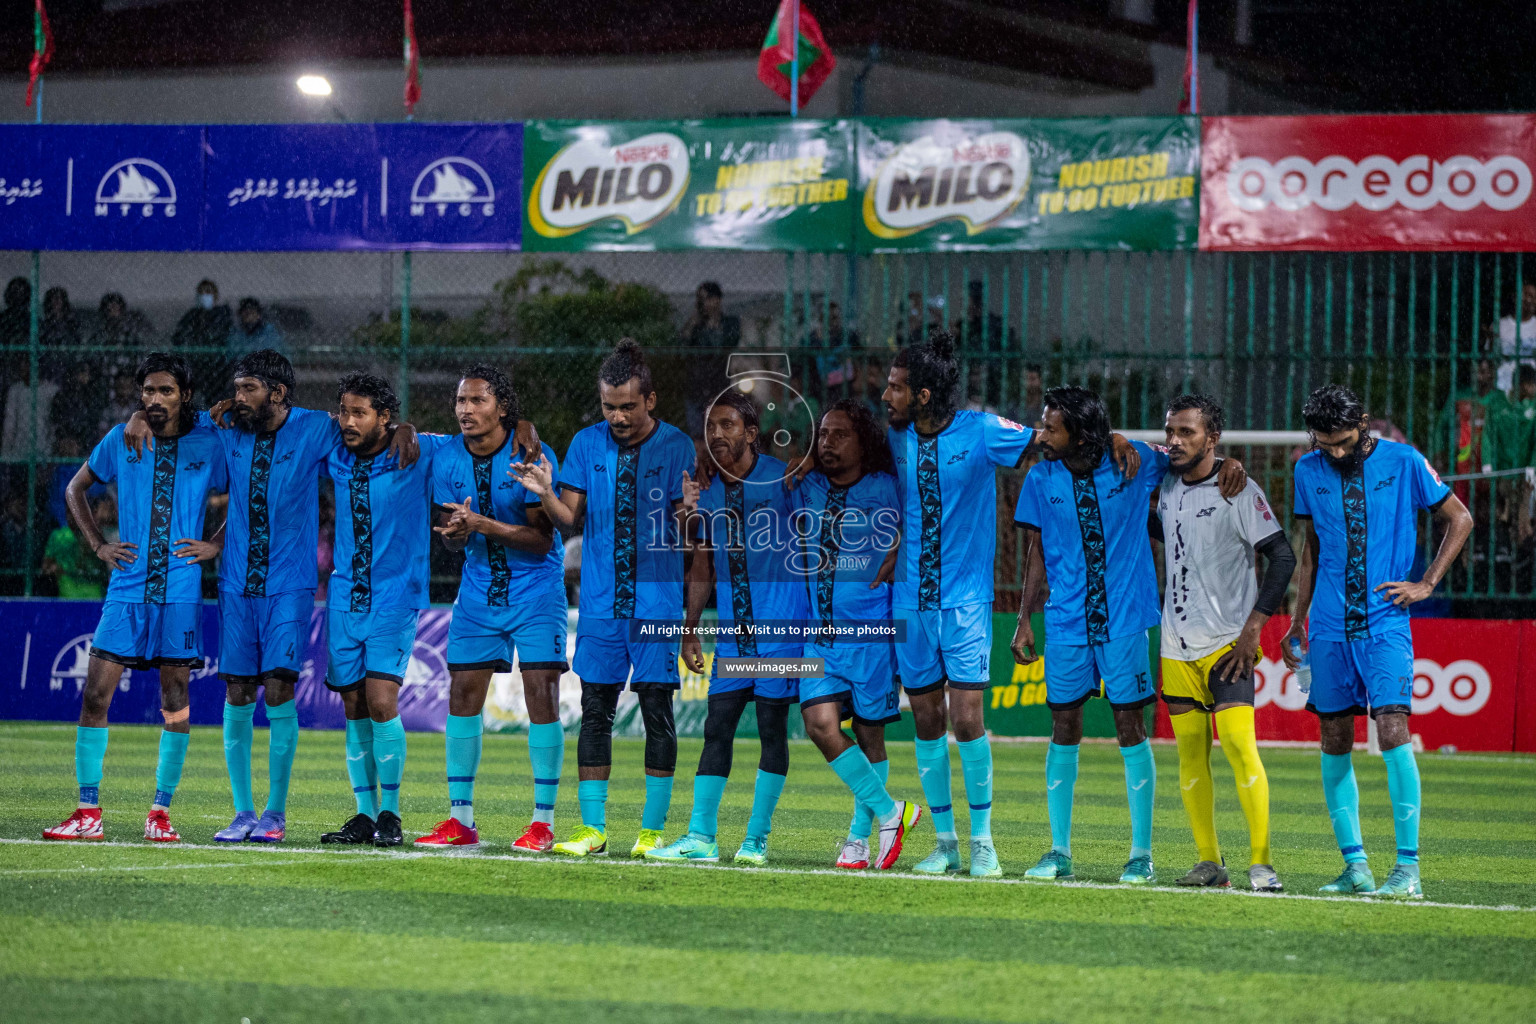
252	332
1509	432
1030	410
122	397
13	539
1518	347
58	334
76	571
76	417
15	333
1457	443
204	329
979	329
120	334
835	369
708	328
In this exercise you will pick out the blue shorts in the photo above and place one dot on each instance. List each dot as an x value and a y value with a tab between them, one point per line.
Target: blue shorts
375	643
951	646
480	636
862	678
1351	677
606	656
149	635
1072	673
263	637
769	689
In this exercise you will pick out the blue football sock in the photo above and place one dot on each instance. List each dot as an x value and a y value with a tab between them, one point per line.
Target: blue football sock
1403	785
863	815
592	797
360	767
237	754
765	797
707	791
1342	794
1140	786
282	743
546	754
90	752
658	801
933	773
1060	782
173	754
868	788
389	759
462	737
976	769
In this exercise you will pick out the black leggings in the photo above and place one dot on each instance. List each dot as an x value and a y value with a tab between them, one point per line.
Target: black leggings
594	745
725	711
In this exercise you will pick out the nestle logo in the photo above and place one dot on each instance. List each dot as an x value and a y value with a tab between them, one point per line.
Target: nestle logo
641	154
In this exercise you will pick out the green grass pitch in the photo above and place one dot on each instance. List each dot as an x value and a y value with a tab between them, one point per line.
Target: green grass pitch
130	931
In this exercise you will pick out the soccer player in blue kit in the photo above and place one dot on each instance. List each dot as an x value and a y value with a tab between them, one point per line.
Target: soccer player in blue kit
1358	498
747	555
622	487
1085	530
852	513
511	599
376	592
152	616
946	461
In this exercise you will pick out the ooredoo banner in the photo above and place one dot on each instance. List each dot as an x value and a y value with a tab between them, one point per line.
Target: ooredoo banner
1377	182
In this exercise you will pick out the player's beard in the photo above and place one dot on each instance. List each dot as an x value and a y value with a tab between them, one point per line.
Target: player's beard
253	420
1353	459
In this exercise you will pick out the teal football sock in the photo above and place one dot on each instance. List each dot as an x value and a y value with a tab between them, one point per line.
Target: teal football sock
237	754
868	788
592	797
389	759
707	792
658	801
863	815
360	768
765	797
90	752
546	755
976	769
462	738
1342	795
282	743
933	773
1060	783
173	754
1140	786
1403	785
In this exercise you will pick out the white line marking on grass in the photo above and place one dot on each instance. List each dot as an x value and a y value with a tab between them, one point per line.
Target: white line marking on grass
259	851
141	867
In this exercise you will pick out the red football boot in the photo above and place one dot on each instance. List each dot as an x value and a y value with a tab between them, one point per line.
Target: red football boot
84	824
538	839
452	832
157	828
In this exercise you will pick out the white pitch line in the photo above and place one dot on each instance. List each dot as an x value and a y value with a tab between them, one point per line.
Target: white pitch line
142	867
622	862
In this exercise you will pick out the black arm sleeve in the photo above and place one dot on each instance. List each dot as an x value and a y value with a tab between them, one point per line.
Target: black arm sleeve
1155	527
1277	573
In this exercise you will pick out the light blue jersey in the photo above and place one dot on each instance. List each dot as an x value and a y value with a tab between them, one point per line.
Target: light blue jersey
948	484
1367	534
273	529
848	532
495	575
383	528
162	494
631	561
1098	556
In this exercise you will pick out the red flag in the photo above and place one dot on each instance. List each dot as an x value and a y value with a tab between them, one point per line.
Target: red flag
1191	101
42	47
412	73
816	59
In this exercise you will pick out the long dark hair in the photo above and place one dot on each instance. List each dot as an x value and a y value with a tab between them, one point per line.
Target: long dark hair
501	388
874	448
165	362
746	409
1085	417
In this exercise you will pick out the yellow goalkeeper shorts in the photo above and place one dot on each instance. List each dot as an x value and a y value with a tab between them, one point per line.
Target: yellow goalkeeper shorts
1190	683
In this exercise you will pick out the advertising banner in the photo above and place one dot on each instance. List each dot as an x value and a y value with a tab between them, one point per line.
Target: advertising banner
759	185
1378	182
1081	183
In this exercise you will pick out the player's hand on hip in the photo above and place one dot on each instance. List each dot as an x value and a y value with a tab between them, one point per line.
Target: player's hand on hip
118	554
693	652
194	551
1238	661
1231	478
1402	593
1298	631
1023	644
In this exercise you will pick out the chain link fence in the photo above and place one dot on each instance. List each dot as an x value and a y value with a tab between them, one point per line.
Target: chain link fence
1408	331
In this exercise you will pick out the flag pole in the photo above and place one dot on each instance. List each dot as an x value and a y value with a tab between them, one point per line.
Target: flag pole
1194	57
794	61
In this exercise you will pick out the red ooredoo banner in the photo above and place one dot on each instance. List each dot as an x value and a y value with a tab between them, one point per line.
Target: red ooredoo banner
1378	182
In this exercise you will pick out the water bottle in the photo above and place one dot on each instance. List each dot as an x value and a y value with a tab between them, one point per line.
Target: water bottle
1303	671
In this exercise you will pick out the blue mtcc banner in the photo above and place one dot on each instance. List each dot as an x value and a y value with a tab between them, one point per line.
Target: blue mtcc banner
261	187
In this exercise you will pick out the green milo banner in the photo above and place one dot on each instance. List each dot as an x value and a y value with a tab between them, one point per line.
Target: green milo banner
637	185
1080	183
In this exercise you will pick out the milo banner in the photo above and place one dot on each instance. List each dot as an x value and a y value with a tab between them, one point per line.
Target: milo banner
1082	183
636	185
